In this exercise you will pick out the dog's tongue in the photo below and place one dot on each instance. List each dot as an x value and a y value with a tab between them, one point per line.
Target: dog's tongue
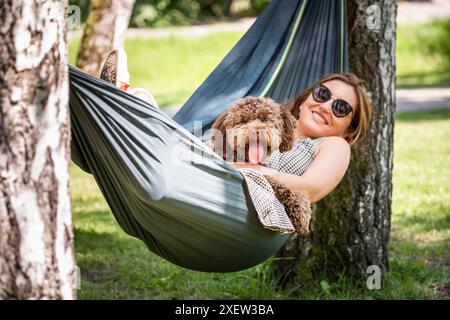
255	153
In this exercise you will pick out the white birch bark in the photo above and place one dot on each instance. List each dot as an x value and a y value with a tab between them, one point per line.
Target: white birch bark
36	240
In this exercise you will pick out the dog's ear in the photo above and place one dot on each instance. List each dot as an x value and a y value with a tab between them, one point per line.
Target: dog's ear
218	123
288	134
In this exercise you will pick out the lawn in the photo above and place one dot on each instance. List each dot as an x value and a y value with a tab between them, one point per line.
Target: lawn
423	54
173	67
116	266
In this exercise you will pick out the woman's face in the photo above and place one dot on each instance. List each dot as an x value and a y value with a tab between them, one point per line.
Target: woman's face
317	119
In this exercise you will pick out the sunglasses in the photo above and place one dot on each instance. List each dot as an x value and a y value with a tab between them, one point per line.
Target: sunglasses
340	108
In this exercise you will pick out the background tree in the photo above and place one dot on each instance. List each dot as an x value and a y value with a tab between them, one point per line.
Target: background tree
105	29
218	8
350	228
36	240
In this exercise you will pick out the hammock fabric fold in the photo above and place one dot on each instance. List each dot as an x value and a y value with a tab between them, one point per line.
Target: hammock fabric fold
162	183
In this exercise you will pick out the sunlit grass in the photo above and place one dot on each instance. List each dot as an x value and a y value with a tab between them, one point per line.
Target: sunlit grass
115	266
173	67
417	65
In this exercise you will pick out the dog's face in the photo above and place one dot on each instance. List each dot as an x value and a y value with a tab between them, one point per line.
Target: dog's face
252	129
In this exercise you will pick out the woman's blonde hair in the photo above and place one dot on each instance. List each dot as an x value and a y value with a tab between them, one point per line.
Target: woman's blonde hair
362	111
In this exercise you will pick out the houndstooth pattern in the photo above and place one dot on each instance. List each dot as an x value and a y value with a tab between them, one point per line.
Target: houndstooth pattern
297	160
270	210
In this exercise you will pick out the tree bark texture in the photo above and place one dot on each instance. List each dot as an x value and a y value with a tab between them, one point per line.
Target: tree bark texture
351	226
36	240
105	30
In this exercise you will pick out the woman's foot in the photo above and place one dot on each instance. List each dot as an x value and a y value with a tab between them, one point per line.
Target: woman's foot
115	69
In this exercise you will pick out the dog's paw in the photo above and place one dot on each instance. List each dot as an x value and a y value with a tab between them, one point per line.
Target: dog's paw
297	206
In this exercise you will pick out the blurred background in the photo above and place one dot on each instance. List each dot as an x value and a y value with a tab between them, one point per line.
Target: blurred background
172	46
202	31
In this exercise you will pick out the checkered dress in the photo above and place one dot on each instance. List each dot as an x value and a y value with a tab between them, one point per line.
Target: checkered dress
270	210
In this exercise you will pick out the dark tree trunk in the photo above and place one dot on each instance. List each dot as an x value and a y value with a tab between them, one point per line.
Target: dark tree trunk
105	29
350	228
36	240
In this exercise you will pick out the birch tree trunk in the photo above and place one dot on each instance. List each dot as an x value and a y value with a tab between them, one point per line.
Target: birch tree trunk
36	240
351	226
105	29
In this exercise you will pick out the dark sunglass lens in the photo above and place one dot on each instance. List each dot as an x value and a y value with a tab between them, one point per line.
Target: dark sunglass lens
321	94
341	108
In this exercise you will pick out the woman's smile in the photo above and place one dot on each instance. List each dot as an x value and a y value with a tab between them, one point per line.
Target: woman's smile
319	117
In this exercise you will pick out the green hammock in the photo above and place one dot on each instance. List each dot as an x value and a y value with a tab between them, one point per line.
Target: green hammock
162	183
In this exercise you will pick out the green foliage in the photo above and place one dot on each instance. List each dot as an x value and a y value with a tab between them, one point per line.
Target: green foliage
172	67
423	54
84	7
258	5
325	286
152	62
217	8
434	39
164	13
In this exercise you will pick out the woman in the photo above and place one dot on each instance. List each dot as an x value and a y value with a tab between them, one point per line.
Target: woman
332	115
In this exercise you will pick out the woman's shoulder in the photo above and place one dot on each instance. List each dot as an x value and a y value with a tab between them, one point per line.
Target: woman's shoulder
333	144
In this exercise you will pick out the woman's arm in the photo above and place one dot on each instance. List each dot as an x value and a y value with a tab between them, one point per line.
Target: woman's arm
324	174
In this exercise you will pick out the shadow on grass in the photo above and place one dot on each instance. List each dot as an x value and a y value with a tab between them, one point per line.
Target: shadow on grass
95	251
431	115
113	266
423	79
408	254
423	223
418	272
99	242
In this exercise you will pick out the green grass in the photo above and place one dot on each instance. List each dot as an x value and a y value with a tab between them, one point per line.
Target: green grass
420	245
115	266
173	67
423	54
420	237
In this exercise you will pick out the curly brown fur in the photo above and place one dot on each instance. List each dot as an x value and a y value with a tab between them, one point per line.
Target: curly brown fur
288	135
297	206
276	128
258	118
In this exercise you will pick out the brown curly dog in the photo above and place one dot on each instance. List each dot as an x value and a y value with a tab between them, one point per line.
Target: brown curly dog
249	131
